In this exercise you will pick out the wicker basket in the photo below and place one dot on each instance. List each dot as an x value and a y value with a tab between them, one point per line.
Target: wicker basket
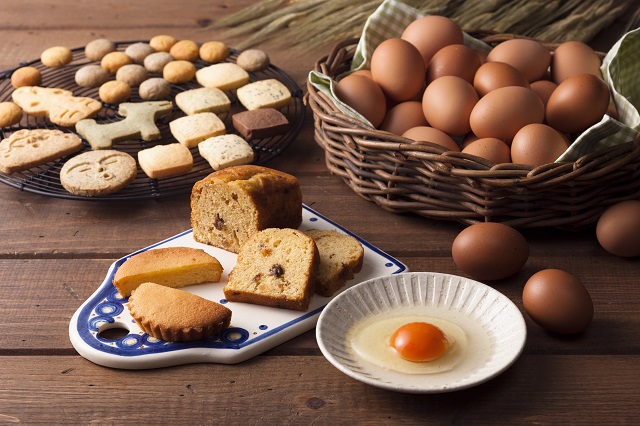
427	180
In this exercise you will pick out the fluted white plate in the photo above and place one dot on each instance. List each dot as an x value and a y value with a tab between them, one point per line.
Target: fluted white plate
490	320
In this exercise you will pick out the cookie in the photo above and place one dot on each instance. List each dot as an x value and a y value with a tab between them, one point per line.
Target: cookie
112	61
91	75
132	74
214	51
260	123
190	130
26	148
270	93
114	92
138	52
253	60
226	151
204	99
95	50
26	76
224	76
154	89
59	105
96	173
56	56
162	42
178	72
163	161
10	114
156	61
185	50
139	122
176	315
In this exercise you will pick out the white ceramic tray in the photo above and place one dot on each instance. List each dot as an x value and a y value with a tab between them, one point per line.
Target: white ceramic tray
253	330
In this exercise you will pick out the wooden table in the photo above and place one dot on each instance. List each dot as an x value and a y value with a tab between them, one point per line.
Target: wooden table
56	252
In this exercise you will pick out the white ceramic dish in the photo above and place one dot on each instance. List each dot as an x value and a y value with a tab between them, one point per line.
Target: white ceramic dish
253	330
489	318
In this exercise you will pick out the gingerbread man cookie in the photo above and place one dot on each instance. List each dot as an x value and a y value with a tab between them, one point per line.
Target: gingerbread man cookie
139	122
59	105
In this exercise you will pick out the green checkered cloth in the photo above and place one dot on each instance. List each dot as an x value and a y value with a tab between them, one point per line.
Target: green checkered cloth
620	69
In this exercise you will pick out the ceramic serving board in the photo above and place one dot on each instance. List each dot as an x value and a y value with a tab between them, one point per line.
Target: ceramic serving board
254	329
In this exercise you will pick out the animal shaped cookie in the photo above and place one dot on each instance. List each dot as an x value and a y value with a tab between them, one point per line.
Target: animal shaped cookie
139	122
26	148
96	173
59	105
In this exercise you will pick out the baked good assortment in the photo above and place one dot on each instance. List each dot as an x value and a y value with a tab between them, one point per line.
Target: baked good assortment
157	71
230	205
276	267
172	267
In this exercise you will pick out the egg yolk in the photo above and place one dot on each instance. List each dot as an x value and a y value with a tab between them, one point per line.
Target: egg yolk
419	342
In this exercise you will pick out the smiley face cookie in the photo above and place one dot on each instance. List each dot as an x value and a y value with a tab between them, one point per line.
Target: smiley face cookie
96	173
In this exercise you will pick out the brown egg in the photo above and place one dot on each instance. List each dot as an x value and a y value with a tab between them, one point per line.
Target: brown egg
537	144
364	95
364	72
467	139
493	75
529	57
577	103
455	59
557	301
404	116
618	229
491	149
574	58
429	134
447	104
398	68
490	251
503	111
431	33
544	89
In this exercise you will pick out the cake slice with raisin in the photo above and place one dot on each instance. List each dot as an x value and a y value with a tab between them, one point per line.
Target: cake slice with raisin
276	267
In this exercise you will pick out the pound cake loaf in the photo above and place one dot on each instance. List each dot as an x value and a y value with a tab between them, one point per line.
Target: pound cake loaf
232	204
170	267
175	315
277	268
341	257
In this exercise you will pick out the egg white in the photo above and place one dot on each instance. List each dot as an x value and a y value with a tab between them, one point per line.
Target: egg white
370	341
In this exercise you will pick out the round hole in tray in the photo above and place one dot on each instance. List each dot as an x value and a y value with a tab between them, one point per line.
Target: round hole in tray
113	331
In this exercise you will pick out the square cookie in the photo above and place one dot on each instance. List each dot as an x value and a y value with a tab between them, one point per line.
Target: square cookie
269	93
226	151
260	123
204	99
224	76
163	161
190	130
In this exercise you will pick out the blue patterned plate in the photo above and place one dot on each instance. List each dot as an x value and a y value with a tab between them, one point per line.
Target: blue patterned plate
253	330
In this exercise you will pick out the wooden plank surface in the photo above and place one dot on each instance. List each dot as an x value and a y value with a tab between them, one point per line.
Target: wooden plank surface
55	253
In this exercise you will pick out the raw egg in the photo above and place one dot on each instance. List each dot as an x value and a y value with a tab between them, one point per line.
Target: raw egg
544	89
537	144
529	57
431	33
447	104
455	59
503	111
398	68
574	58
490	251
618	229
557	301
403	116
577	103
422	134
373	340
364	95
491	149
493	75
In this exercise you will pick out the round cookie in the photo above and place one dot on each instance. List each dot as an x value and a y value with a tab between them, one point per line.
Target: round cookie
96	173
91	76
253	60
154	89
56	56
162	42
26	76
112	61
96	50
156	61
114	92
132	74
10	114
214	51
179	71
138	51
185	50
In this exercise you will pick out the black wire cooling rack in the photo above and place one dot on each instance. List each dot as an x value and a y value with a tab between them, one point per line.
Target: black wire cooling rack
45	179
